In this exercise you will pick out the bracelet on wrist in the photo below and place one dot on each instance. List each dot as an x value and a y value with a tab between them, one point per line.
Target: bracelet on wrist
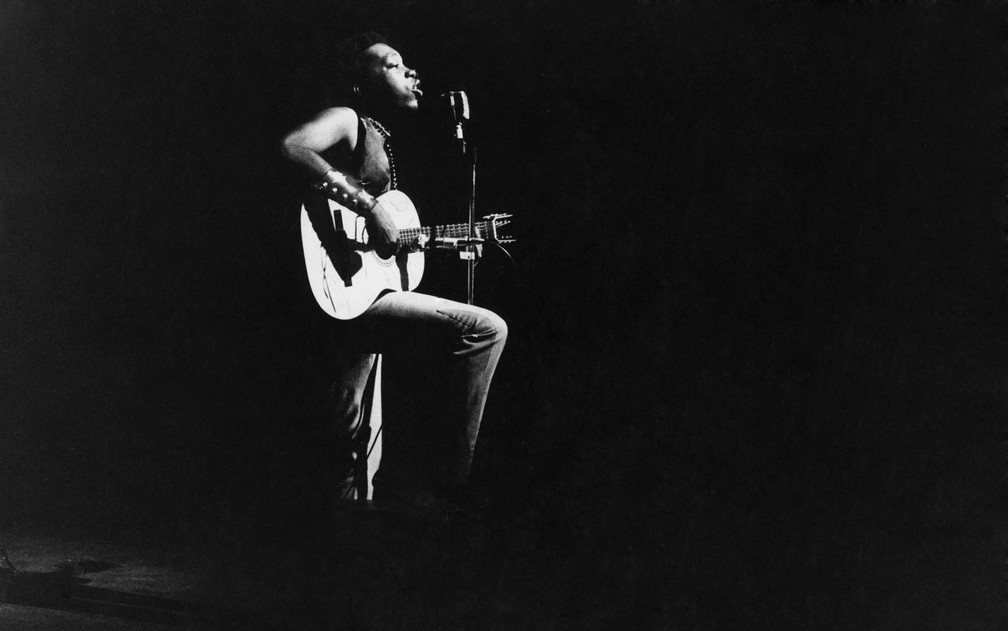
331	177
347	192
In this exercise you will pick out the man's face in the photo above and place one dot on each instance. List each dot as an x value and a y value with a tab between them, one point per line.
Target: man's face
390	82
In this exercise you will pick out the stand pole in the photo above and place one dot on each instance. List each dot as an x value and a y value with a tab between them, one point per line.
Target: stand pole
471	249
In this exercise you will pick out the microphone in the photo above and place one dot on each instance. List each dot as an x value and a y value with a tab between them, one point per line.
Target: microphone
459	103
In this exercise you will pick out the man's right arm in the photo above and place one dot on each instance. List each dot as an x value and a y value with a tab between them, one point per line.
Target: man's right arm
337	127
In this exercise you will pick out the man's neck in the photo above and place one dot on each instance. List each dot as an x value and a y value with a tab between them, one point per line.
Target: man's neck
391	120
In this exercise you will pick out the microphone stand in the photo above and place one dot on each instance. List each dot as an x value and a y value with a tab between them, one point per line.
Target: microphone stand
470	252
472	246
460	111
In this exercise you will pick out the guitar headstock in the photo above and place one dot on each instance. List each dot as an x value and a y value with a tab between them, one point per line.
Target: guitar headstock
495	221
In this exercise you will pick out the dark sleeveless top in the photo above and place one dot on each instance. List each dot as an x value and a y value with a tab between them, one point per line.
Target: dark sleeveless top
369	162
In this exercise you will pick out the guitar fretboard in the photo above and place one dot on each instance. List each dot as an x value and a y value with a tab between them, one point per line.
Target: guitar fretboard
483	229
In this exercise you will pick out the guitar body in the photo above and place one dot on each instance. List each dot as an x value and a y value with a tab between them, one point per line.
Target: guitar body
345	274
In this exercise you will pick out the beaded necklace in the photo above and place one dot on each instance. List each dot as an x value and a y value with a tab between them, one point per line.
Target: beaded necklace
388	151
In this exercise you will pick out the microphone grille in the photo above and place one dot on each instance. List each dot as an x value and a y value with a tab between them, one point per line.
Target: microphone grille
460	104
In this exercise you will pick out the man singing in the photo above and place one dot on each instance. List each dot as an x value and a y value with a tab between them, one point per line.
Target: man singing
348	153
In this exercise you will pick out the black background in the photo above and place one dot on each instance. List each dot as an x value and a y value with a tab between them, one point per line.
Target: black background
755	365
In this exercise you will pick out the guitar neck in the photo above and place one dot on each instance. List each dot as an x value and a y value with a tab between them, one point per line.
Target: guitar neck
407	236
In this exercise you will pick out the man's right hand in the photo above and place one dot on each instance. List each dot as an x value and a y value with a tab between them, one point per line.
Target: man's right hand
383	235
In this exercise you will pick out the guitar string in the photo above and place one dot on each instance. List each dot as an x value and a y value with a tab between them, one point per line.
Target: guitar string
450	230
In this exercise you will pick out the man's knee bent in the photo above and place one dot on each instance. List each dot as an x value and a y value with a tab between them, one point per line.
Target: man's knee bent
477	323
490	327
499	326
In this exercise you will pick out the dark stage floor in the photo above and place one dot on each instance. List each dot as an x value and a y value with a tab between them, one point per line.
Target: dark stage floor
357	570
760	566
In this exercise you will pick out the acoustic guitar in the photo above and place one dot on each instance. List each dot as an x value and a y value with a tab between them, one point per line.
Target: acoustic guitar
347	275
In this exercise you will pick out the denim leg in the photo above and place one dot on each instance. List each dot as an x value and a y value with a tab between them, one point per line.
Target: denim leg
345	409
471	336
346	393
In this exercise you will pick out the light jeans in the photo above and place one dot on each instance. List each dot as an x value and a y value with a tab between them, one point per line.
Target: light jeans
471	338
